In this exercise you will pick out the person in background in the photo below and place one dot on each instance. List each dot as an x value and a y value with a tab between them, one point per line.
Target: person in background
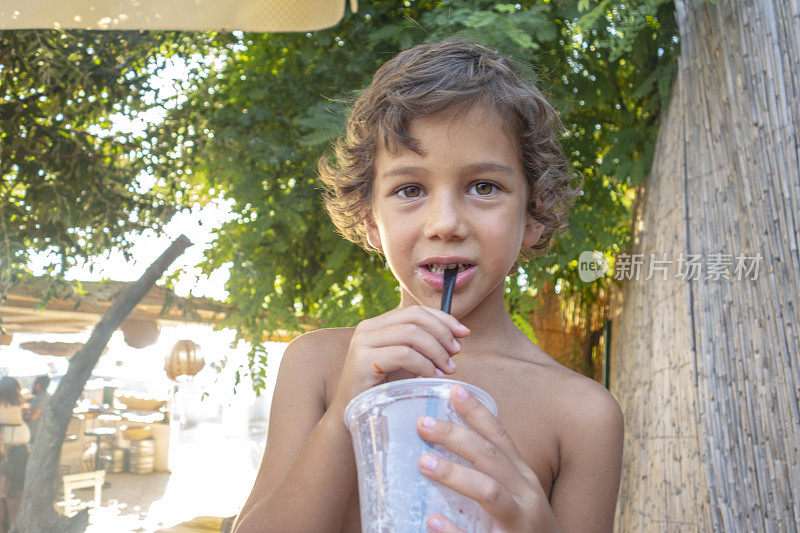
37	403
14	438
13	429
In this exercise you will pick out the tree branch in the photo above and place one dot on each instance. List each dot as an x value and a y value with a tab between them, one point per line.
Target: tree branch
37	512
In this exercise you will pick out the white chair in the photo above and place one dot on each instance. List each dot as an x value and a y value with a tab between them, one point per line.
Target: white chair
81	481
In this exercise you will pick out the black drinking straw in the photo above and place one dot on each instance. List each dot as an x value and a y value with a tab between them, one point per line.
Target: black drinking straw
447	289
432	403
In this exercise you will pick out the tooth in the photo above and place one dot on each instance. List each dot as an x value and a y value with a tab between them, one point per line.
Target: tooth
438	269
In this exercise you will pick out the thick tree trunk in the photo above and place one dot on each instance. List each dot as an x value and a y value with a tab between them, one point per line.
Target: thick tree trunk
37	512
708	371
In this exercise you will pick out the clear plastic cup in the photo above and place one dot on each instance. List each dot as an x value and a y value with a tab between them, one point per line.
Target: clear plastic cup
394	495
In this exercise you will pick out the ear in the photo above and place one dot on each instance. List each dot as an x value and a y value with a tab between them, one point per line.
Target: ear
533	230
373	235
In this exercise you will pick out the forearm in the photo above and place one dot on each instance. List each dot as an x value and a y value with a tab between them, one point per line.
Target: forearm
313	494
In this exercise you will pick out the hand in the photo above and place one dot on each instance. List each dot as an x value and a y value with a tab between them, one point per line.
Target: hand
417	339
501	482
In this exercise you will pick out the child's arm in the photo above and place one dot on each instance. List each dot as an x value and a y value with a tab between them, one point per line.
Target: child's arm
583	497
584	494
308	472
305	476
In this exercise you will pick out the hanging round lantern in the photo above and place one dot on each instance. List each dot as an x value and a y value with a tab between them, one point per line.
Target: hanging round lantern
184	360
140	333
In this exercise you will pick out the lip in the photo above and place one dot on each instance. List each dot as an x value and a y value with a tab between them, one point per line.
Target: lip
436	281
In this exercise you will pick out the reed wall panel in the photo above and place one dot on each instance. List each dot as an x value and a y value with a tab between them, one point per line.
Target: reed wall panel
708	371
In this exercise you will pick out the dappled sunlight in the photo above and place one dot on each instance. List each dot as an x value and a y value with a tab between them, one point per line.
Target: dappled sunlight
214	468
217	439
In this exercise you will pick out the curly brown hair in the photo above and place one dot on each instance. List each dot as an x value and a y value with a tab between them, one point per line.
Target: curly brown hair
428	79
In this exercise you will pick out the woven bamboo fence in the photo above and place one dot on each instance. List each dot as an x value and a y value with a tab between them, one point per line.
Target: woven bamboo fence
707	370
562	326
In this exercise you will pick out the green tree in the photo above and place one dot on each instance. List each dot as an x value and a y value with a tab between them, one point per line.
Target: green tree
68	182
68	186
254	130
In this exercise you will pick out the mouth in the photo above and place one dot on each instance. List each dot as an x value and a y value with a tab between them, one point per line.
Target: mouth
439	269
433	273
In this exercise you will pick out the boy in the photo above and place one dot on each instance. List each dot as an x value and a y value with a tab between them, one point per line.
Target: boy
451	158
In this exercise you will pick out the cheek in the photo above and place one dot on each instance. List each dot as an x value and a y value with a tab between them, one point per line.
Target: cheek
395	236
512	224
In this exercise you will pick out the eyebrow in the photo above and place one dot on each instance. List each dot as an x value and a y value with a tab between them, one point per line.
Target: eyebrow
404	171
487	166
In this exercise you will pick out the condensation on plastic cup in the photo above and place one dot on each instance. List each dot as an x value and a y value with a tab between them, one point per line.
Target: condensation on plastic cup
394	495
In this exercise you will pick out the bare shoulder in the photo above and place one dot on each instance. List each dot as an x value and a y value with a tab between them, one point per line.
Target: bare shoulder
580	410
317	342
583	406
590	429
309	354
318	354
589	408
303	377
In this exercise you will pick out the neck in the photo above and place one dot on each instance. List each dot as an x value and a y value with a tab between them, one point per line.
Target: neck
490	326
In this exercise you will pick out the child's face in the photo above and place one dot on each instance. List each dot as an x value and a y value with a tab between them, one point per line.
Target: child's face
462	202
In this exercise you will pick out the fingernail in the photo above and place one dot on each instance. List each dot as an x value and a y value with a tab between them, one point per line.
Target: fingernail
439	373
435	524
428	422
456	344
461	392
428	461
452	364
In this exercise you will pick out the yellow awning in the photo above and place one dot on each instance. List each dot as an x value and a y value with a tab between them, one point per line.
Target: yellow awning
21	312
244	15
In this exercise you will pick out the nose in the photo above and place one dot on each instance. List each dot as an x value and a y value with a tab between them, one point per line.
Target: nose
445	218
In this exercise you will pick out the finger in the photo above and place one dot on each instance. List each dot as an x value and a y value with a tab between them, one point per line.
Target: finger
392	358
481	453
488	492
458	329
416	337
443	326
479	418
439	524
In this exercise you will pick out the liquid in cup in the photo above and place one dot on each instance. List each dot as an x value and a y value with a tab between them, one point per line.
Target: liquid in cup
394	495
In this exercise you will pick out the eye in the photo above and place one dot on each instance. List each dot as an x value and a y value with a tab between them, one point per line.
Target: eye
410	191
484	188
